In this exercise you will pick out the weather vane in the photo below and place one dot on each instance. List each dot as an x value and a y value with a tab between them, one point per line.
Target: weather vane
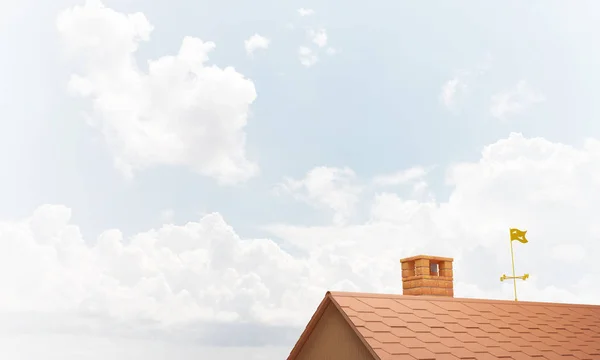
515	234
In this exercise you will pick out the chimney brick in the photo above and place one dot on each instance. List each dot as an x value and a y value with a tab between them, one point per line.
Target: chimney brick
427	275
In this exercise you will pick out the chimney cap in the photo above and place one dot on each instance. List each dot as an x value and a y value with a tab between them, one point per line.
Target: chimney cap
428	257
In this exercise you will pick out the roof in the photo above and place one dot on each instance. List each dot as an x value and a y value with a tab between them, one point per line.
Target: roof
438	328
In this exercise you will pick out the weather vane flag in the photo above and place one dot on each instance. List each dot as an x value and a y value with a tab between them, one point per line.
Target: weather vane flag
515	234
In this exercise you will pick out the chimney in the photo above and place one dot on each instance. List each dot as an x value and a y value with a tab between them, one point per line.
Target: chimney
427	275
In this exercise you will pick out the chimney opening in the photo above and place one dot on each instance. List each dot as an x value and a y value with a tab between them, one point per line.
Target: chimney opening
435	269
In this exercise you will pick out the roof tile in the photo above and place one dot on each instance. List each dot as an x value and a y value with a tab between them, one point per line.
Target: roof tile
394	321
422	354
475	347
418	327
413	343
397	349
442	333
403	332
452	343
446	357
377	326
369	316
438	348
432	323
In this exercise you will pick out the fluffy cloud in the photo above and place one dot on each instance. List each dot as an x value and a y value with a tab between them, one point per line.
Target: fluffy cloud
175	275
256	42
414	177
401	177
307	56
180	277
334	189
455	89
534	184
451	89
182	111
318	37
305	12
515	100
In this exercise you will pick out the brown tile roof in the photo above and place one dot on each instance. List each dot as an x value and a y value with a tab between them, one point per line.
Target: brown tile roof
438	328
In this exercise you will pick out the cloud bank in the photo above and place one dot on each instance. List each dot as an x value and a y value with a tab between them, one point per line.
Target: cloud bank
179	277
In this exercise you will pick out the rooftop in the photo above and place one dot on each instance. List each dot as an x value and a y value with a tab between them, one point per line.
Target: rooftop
403	327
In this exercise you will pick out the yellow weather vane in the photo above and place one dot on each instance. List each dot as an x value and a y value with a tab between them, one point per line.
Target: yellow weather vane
515	234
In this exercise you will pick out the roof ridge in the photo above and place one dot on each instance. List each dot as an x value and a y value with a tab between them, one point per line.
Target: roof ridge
454	299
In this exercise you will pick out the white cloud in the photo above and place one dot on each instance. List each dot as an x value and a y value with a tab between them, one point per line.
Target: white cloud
186	279
450	90
414	177
256	42
515	100
181	112
326	187
318	37
401	177
420	188
459	86
331	51
518	182
307	57
174	276
305	12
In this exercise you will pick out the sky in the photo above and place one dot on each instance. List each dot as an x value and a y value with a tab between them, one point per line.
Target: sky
188	178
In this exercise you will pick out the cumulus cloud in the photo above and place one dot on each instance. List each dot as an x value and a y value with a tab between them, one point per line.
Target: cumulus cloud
401	177
326	187
182	111
202	277
544	187
318	37
515	100
256	42
173	276
305	12
414	177
307	56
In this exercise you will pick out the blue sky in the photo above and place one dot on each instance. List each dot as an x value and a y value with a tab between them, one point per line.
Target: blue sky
378	99
492	106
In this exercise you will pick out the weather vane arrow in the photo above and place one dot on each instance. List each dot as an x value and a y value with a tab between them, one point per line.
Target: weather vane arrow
515	234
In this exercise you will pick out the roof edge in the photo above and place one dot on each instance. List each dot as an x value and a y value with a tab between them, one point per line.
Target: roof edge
352	326
454	299
428	257
328	299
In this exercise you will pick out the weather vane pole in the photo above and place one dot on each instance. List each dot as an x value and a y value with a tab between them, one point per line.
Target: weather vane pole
515	234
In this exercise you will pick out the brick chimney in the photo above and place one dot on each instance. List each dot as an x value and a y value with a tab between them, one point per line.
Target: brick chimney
427	275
